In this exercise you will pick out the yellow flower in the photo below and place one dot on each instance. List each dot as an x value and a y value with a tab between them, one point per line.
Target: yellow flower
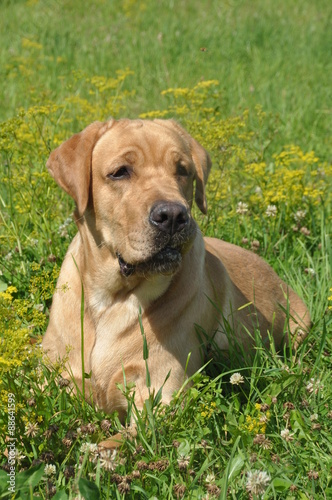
330	300
7	295
29	44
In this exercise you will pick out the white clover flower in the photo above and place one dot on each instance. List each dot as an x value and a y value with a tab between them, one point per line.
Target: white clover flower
183	461
287	435
107	459
31	430
68	221
19	456
314	386
9	256
271	211
310	386
300	215
242	208
93	448
236	379
210	479
257	482
50	470
85	447
62	230
310	270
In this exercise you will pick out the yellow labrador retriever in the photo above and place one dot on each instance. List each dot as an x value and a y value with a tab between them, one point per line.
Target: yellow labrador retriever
138	246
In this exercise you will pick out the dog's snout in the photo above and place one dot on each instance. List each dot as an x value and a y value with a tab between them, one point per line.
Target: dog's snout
169	217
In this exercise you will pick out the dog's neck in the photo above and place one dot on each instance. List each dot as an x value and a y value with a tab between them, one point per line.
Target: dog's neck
100	271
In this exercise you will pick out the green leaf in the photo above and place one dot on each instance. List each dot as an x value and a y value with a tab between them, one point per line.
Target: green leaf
60	495
302	496
235	467
194	393
26	495
134	487
282	483
30	478
88	489
4	477
3	286
184	448
298	424
278	387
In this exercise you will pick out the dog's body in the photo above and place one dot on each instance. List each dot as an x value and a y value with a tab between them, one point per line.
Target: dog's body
138	247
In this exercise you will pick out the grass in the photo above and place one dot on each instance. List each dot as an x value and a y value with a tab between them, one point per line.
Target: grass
275	56
250	81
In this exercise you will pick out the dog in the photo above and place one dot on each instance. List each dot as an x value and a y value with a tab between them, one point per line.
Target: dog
138	248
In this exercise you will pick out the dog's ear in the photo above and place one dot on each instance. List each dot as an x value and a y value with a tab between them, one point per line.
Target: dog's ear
203	164
70	164
200	158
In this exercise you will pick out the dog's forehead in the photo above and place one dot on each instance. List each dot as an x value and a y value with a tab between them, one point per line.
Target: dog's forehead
145	136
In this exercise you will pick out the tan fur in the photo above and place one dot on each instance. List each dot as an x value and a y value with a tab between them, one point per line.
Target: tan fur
209	287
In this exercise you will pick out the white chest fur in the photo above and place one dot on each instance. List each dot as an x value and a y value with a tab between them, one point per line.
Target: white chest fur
116	323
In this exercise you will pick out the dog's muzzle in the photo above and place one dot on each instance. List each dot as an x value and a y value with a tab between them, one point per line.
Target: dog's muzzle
174	231
169	217
166	261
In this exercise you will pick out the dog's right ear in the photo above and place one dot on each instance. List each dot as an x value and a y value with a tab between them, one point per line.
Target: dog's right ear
200	158
70	164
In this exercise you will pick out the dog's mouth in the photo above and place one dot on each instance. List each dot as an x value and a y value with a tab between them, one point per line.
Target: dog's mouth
166	261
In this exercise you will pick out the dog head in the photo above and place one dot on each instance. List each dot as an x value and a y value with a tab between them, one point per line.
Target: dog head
133	181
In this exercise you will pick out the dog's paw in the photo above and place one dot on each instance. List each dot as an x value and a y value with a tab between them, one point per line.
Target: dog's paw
115	441
112	442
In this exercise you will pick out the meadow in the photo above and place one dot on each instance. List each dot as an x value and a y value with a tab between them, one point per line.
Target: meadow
251	81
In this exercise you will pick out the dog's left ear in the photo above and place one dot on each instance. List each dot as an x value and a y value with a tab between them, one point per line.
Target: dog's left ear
70	164
200	158
203	164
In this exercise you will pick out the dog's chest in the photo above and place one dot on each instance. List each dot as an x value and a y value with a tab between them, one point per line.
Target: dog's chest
118	335
112	320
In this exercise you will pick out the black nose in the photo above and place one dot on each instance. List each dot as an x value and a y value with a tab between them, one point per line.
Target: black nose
169	217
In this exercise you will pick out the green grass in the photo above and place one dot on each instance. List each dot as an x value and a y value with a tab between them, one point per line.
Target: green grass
275	55
63	65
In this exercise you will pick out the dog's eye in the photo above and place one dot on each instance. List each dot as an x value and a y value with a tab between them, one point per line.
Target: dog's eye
121	173
181	170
